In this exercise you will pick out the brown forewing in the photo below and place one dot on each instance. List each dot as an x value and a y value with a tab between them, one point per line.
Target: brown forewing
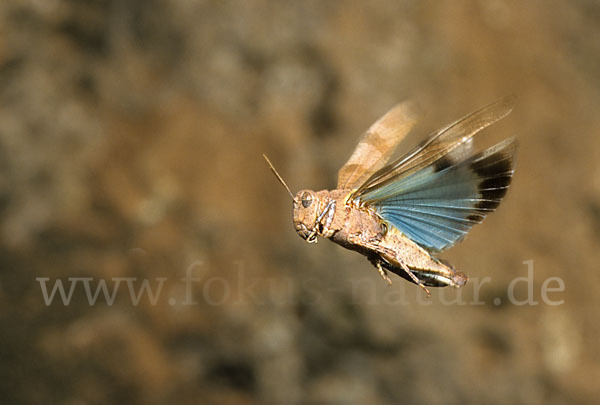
376	146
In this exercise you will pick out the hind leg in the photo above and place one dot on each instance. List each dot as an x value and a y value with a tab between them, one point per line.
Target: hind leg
390	256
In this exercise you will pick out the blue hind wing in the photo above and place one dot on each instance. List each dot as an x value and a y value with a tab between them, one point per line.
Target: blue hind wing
437	206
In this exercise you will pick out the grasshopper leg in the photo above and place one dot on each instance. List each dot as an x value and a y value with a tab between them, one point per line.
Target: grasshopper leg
386	252
383	272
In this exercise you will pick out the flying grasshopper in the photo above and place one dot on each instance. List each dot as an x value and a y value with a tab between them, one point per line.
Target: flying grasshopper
401	214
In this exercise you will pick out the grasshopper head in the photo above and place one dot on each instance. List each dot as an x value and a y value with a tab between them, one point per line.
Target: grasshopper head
306	212
306	209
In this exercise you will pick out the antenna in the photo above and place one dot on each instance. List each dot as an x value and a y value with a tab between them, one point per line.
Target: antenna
278	176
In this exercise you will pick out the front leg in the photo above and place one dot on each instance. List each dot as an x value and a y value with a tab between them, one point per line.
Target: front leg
388	254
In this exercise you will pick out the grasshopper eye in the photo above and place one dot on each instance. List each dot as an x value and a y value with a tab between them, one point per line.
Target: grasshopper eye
307	200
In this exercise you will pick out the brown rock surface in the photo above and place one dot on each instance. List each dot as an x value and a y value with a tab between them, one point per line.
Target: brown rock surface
131	135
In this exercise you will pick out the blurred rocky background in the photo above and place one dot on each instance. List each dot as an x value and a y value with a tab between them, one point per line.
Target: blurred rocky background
131	134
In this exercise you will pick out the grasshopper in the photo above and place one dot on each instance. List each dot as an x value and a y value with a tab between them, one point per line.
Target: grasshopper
401	214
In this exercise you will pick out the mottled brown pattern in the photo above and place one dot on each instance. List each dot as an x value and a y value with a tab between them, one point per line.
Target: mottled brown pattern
131	135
